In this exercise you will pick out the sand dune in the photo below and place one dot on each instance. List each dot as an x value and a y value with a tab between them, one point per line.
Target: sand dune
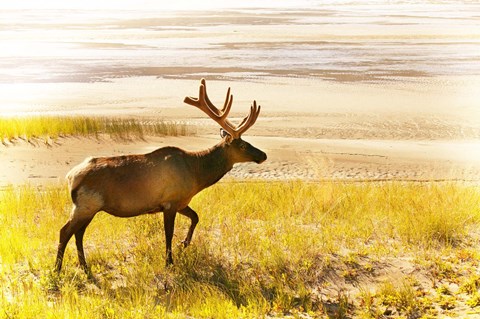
289	157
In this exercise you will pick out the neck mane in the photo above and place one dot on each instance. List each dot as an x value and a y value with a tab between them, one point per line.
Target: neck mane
211	165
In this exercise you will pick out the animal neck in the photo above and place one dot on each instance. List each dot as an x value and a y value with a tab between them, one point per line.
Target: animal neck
211	165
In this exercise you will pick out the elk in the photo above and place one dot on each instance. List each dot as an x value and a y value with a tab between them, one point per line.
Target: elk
164	180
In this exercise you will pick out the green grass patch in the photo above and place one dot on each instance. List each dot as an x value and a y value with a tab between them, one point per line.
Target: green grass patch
261	248
44	127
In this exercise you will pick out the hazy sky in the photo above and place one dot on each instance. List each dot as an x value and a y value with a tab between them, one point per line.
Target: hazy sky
153	4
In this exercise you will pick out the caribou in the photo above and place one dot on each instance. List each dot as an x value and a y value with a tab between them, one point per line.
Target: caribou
164	180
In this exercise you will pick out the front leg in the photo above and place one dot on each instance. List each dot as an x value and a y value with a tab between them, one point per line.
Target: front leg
169	225
190	213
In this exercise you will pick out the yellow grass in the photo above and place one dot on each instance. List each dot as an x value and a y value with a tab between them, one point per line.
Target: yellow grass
260	248
55	126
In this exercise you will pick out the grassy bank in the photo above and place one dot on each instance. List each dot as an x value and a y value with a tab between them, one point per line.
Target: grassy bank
45	127
285	248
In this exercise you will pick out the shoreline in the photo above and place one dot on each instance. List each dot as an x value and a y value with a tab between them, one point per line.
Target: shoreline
289	158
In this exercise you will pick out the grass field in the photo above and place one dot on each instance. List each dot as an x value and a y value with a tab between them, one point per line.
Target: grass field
51	127
261	249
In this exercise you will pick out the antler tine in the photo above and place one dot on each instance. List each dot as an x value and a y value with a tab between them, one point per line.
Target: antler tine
220	116
228	101
204	104
249	120
207	100
201	94
226	106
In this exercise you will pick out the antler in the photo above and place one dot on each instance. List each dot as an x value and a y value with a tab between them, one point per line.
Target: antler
220	116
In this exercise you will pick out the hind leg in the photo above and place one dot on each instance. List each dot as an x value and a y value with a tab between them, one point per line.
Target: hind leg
79	241
78	219
65	235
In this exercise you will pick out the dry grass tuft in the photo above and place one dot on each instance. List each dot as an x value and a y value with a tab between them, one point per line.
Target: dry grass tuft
52	127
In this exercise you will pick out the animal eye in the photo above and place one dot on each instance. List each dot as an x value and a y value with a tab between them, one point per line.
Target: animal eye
243	146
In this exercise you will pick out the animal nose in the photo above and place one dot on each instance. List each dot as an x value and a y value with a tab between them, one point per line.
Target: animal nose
262	158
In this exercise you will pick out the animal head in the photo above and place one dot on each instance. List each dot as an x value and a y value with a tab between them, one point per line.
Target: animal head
242	151
238	149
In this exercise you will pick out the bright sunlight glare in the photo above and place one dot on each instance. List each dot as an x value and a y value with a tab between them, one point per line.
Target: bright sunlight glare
147	4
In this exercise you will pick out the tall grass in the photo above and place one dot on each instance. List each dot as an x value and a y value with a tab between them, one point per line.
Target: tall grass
56	126
260	249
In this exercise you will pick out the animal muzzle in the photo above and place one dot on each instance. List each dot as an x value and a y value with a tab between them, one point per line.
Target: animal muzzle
261	157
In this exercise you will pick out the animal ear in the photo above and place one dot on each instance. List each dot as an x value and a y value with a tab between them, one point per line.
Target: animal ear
226	135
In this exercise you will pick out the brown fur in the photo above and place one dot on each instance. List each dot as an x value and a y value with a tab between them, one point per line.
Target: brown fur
164	180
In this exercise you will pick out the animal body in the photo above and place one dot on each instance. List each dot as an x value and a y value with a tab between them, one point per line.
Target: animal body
164	180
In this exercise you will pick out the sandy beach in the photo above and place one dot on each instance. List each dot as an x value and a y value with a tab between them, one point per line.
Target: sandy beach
349	91
344	152
343	132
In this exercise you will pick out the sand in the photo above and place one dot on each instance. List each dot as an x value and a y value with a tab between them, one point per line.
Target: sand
346	93
328	147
